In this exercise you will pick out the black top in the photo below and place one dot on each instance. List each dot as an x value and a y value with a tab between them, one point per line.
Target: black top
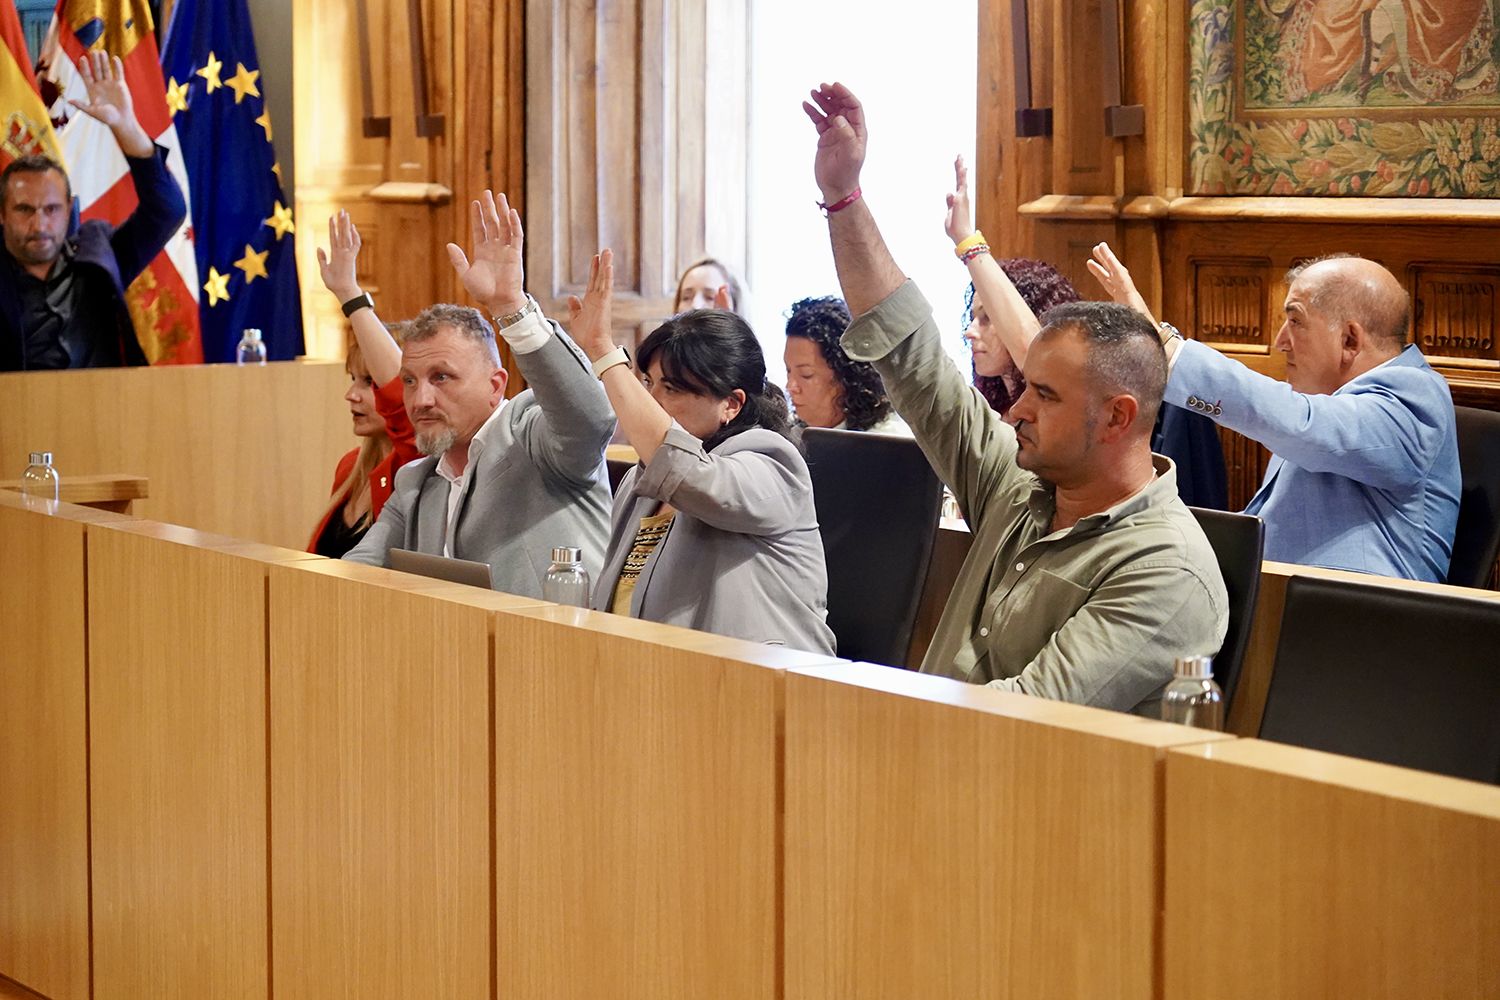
337	537
67	319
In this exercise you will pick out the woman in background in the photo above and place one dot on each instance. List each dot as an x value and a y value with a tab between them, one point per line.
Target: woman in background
1003	304
715	528
708	284
365	476
828	388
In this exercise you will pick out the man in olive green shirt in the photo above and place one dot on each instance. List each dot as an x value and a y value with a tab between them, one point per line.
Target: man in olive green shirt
1088	575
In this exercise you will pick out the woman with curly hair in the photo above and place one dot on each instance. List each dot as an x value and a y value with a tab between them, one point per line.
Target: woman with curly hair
828	388
1004	303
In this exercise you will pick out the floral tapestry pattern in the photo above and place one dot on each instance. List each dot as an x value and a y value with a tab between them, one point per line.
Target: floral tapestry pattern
1344	97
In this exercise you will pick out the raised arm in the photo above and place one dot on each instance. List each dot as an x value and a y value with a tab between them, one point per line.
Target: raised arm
867	272
567	432
1011	317
969	445
110	102
337	267
1115	278
643	421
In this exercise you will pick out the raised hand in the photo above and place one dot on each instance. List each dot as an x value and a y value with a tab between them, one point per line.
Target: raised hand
840	120
110	101
959	223
1113	275
496	277
589	318
722	299
337	266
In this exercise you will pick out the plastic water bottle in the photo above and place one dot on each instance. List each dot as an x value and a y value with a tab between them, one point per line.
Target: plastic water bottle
40	478
252	350
1193	698
566	582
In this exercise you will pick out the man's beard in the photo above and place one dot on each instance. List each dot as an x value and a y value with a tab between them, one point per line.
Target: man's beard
436	442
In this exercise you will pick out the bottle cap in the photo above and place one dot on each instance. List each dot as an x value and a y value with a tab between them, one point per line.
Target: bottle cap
566	554
251	333
41	458
1197	667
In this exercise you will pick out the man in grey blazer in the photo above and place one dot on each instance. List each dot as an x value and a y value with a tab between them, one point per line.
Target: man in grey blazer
503	481
1364	469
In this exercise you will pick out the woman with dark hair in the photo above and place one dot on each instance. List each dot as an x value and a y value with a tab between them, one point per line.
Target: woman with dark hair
708	284
828	388
715	528
1003	304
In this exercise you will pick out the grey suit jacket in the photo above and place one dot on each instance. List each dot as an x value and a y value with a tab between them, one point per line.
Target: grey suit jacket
743	558
539	481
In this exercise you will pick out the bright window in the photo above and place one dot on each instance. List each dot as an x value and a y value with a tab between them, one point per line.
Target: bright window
916	76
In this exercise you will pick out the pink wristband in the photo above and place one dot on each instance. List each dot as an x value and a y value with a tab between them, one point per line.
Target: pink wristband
842	203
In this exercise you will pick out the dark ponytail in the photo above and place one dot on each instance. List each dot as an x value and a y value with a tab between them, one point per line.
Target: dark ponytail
711	352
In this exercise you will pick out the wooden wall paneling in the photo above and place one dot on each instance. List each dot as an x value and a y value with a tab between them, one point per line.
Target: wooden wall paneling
44	862
335	165
1297	874
247	451
380	735
1083	156
946	840
636	142
637	821
177	720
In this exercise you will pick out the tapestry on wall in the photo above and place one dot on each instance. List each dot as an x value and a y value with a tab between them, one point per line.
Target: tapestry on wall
1344	97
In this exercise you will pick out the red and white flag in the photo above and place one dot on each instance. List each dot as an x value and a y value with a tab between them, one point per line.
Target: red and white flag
163	301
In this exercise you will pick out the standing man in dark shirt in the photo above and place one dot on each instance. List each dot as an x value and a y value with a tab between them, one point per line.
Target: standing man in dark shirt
62	295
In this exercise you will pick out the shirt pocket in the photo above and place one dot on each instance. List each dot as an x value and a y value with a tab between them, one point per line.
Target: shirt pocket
1041	603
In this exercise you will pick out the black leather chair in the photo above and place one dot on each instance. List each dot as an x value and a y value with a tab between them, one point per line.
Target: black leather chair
1477	540
617	469
1390	674
878	505
1239	541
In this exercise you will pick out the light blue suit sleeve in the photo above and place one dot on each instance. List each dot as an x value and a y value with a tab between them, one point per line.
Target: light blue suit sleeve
1383	429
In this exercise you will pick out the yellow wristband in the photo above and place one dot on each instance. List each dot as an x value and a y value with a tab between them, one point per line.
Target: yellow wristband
972	240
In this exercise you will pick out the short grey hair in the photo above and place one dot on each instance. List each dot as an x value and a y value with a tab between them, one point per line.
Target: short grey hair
469	323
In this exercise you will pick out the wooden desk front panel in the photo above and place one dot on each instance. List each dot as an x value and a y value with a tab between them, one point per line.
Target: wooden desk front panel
44	891
380	785
636	774
947	841
245	451
1297	874
177	700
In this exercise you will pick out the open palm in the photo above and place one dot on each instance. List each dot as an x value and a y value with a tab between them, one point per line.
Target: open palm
109	95
495	276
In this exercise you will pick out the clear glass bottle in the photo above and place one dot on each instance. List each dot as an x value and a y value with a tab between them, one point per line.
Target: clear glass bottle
40	478
1193	698
252	350
566	582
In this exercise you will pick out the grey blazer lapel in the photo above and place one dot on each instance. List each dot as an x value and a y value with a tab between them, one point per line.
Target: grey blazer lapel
432	516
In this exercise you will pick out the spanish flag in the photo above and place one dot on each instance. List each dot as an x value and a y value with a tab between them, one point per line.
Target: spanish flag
163	301
26	128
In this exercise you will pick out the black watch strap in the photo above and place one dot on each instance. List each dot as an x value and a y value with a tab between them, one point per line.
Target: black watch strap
360	301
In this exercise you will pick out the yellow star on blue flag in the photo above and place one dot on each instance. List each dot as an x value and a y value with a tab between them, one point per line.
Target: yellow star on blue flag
236	190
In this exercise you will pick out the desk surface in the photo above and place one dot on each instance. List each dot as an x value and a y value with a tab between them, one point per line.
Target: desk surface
96	490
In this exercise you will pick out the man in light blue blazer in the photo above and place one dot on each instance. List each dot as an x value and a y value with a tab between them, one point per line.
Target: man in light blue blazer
1364	468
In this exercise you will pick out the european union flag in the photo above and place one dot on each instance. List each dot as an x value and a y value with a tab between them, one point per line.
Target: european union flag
242	225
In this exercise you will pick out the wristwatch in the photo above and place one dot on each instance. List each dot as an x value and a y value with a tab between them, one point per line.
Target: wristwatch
360	301
511	319
1168	333
619	356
